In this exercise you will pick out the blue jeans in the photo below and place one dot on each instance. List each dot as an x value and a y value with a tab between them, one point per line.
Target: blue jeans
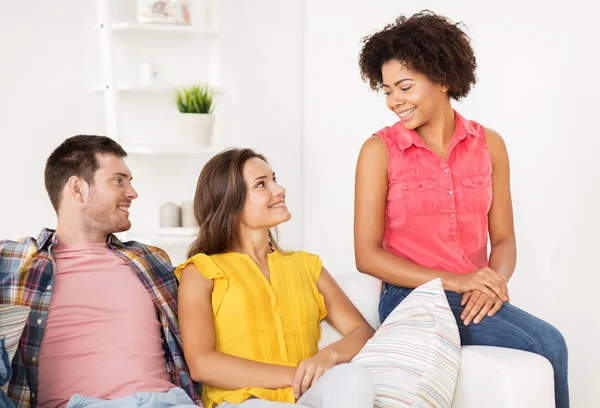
510	327
174	398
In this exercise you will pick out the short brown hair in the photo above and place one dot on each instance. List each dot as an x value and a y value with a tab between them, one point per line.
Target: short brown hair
219	201
426	43
76	156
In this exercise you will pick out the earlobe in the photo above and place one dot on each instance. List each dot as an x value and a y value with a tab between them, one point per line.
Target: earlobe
444	88
75	189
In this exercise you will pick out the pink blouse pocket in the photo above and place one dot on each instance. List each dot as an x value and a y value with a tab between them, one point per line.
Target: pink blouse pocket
419	196
477	192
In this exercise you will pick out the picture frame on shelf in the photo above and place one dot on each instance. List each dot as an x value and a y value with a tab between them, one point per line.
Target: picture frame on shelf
164	11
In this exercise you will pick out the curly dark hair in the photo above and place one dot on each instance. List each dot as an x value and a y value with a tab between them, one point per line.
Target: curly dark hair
426	43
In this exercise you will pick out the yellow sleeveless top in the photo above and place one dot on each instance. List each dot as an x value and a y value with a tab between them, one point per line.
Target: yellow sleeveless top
273	322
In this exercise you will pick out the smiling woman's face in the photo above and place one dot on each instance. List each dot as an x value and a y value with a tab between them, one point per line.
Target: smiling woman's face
264	206
411	95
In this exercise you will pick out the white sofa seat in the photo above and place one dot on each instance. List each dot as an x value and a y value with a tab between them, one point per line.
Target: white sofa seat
489	377
495	377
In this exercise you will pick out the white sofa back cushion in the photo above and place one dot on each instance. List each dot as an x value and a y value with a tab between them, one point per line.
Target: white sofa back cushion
363	290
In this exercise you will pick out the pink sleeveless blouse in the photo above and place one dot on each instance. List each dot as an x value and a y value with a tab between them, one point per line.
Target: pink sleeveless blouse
436	210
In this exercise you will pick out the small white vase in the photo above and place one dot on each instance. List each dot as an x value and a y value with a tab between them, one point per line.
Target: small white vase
197	128
170	215
187	215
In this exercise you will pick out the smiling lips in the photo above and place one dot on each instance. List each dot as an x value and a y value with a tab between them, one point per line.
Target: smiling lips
124	208
278	205
405	113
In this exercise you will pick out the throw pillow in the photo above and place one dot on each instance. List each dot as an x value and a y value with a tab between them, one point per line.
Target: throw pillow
12	323
5	372
414	356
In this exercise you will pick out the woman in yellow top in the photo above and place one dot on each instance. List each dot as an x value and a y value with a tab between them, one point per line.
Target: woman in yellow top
249	313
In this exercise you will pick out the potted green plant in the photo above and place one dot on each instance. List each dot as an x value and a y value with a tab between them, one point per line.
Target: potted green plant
196	104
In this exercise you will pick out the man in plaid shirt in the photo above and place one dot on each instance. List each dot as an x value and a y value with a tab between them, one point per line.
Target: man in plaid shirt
103	328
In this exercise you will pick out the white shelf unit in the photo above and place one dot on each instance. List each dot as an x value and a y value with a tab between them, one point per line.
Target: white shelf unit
111	86
164	28
133	87
155	238
116	32
162	150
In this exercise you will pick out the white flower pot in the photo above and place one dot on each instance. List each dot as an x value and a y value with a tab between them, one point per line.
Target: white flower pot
197	128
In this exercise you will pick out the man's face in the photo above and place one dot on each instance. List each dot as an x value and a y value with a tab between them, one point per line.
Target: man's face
106	208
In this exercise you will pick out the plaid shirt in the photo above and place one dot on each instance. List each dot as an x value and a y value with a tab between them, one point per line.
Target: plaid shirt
27	278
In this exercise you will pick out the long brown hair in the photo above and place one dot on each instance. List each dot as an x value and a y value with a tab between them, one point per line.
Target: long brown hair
219	200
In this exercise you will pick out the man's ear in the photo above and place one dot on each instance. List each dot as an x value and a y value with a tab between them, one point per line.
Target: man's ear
77	188
444	88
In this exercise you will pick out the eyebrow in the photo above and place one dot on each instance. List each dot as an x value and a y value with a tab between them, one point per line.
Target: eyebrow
397	82
262	177
122	175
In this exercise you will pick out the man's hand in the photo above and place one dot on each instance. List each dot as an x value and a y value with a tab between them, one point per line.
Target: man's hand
478	305
311	369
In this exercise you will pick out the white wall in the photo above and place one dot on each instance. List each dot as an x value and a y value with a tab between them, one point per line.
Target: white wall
50	56
537	87
263	67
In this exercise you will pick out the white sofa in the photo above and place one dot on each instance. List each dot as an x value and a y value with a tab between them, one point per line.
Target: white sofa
489	377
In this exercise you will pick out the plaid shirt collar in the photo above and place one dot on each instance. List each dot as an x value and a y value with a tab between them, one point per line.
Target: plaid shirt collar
27	276
48	237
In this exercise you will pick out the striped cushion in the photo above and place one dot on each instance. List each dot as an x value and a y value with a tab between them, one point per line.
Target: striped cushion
414	356
12	323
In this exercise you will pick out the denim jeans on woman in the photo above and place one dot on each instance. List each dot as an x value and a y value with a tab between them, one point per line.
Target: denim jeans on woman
510	327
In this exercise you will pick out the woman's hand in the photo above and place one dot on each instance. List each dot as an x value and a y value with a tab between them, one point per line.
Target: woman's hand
484	280
311	369
477	306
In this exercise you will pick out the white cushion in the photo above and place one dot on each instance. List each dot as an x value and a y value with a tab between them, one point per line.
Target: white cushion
12	323
414	356
363	290
495	377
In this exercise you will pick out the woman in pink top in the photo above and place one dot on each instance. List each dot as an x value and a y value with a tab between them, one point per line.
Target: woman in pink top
430	189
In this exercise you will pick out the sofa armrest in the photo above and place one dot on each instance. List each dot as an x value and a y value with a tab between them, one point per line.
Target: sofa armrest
490	377
495	377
